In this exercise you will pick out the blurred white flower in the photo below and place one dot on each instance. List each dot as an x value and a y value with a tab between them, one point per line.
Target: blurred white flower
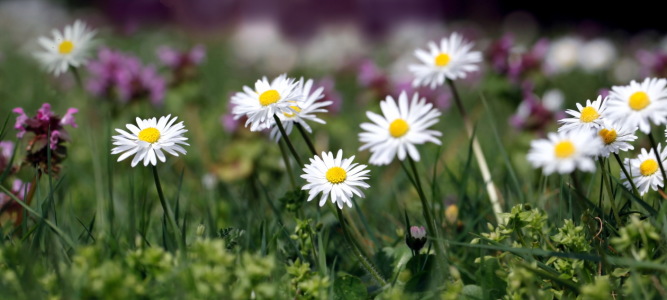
597	54
260	43
639	104
69	48
563	54
625	69
564	152
452	59
334	47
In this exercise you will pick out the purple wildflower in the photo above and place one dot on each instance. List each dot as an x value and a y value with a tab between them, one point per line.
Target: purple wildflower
535	114
39	127
9	206
6	150
125	78
183	65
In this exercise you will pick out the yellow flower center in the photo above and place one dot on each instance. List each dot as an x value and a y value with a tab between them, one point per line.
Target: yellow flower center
269	97
442	59
564	149
65	47
639	101
648	167
292	114
609	136
398	128
149	135
589	114
336	175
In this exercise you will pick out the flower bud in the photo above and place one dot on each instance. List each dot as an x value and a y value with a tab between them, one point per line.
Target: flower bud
416	238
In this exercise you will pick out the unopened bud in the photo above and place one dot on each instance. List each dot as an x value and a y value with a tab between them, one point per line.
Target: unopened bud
416	238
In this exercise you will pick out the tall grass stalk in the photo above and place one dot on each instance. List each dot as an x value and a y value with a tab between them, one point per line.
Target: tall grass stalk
479	155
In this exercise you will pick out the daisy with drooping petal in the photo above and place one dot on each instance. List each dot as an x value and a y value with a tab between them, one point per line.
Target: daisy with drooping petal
267	99
400	127
149	139
303	111
639	104
615	138
452	59
337	177
563	152
587	118
67	49
645	170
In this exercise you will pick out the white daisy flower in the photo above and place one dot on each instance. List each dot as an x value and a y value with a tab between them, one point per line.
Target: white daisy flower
563	152
67	49
563	54
337	177
303	111
615	138
645	170
587	118
149	138
452	59
267	99
399	129
639	104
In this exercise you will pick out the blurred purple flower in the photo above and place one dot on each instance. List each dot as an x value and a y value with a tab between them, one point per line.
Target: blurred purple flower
6	149
124	77
652	63
183	65
228	121
330	93
7	203
509	59
535	114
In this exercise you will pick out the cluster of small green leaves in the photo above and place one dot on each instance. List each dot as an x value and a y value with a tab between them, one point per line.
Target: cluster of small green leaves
305	283
208	270
540	261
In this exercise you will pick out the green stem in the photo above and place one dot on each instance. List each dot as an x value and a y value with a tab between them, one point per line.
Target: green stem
287	141
479	155
77	77
306	138
578	207
658	159
364	261
167	209
428	214
288	166
605	181
627	175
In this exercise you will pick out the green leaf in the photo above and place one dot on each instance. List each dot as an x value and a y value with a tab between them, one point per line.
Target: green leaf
348	287
421	266
494	287
473	292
